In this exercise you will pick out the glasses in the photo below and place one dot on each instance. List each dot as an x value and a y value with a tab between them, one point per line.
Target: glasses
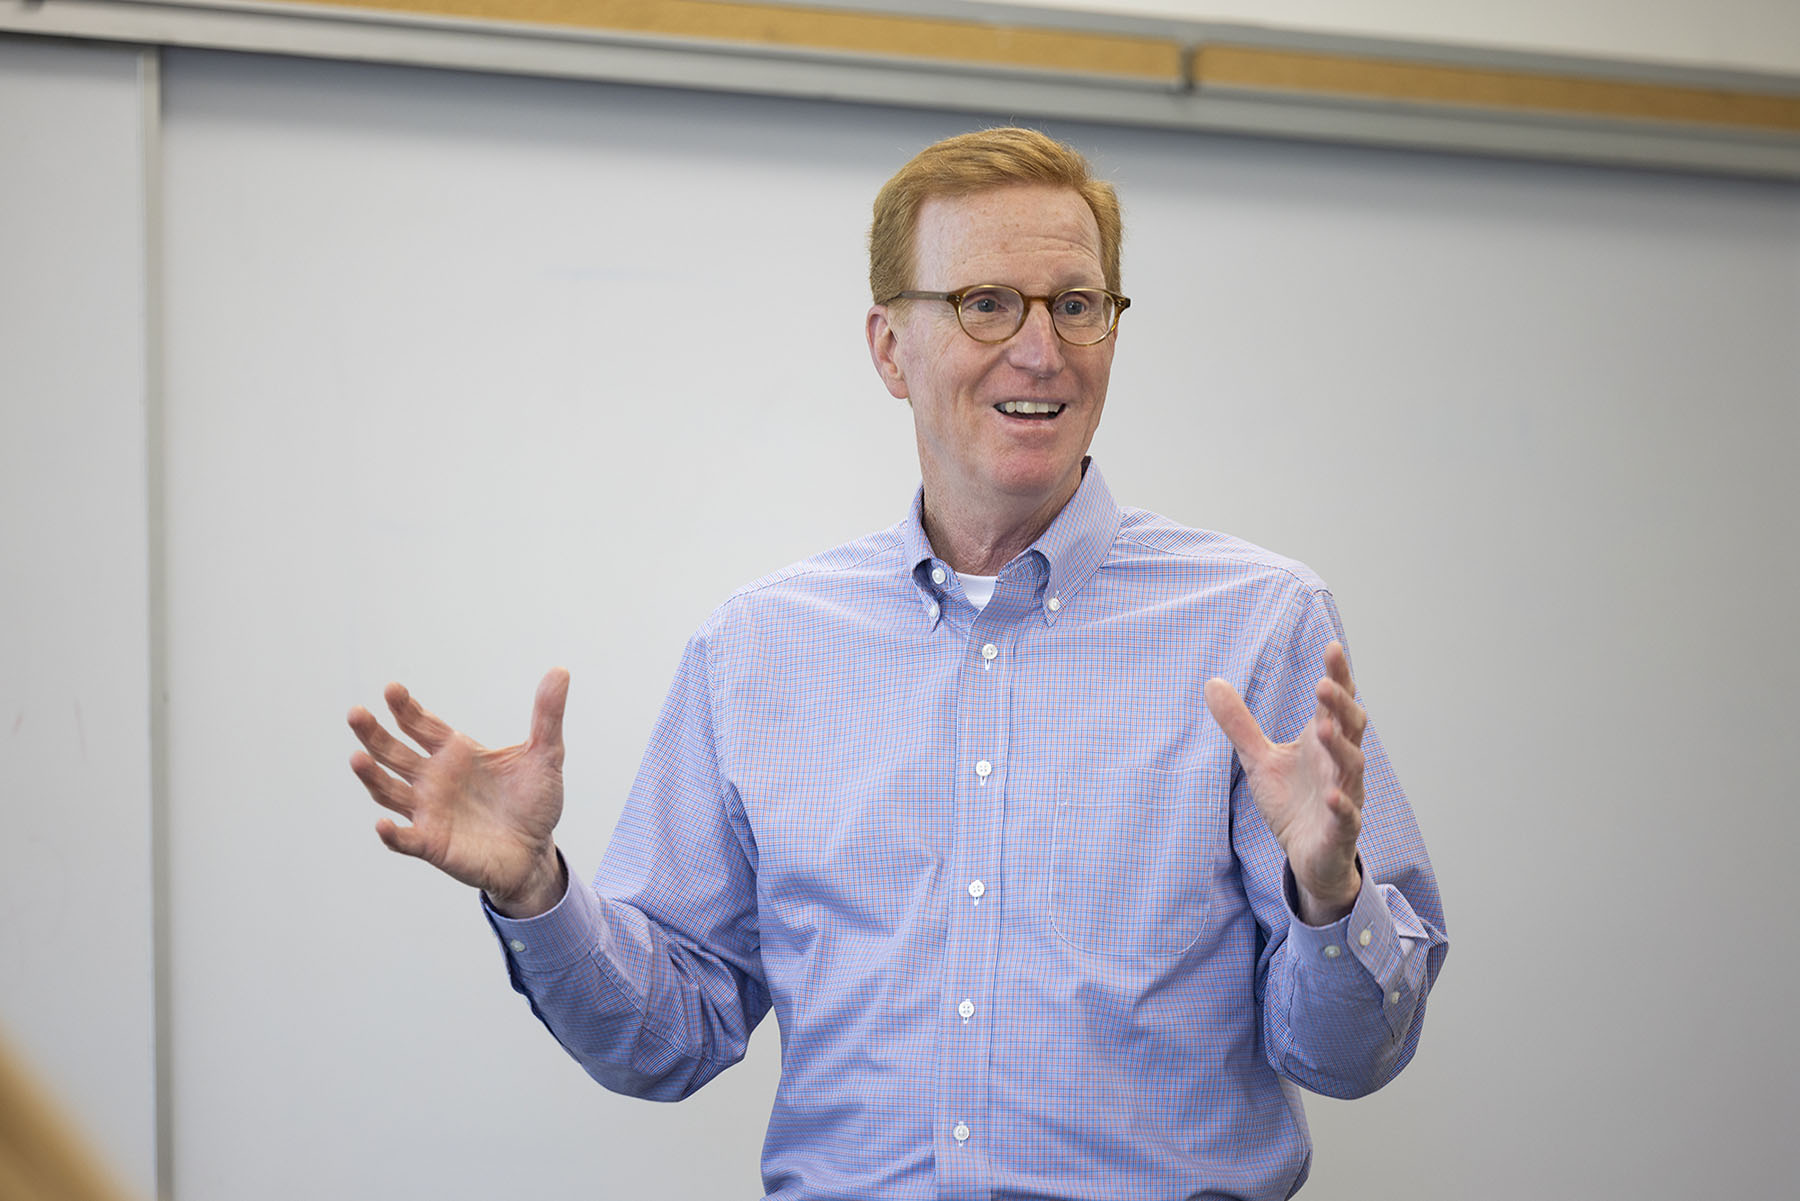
995	312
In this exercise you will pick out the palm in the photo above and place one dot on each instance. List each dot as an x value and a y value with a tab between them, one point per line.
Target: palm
485	817
481	815
1291	784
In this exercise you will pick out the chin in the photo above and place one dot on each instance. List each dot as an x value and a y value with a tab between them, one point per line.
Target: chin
1034	477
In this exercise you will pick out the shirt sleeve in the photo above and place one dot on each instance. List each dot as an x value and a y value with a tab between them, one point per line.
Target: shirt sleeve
1343	1004
651	977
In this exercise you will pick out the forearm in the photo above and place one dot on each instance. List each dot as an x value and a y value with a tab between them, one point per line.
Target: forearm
642	1014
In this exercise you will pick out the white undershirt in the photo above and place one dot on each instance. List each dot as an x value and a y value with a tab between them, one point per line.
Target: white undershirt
978	588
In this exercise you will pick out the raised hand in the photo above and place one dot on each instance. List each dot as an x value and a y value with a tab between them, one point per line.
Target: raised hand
484	817
1310	790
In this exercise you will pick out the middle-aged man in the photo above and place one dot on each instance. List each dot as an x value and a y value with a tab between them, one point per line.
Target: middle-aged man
1035	819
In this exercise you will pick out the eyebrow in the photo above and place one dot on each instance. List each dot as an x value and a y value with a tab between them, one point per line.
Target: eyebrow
1000	283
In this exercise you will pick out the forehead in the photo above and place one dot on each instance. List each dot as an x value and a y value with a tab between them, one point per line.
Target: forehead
1027	236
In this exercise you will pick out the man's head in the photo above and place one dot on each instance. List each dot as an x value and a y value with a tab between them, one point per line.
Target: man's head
979	162
1003	422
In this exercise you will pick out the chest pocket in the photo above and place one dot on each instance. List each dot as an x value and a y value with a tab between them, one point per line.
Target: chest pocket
1137	860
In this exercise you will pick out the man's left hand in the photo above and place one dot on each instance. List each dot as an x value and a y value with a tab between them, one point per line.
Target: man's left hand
1310	790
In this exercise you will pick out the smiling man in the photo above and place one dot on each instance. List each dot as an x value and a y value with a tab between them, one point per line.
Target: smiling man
1052	831
1005	394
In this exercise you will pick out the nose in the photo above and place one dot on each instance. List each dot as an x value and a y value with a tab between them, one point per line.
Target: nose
1036	348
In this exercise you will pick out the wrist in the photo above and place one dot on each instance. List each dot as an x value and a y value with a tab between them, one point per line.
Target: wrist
541	890
1323	906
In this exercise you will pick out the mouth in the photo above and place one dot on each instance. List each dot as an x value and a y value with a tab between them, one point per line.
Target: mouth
1032	410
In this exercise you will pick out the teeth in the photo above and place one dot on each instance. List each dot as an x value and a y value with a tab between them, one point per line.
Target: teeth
1029	406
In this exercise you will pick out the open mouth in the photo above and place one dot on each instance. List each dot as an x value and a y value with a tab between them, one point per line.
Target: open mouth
1040	410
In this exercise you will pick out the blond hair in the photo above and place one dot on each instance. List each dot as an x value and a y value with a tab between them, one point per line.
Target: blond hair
977	162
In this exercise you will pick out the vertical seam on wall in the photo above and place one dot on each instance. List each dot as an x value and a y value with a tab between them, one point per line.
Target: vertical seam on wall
156	559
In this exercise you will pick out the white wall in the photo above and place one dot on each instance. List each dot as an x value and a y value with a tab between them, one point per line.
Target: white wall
1761	35
1533	423
75	891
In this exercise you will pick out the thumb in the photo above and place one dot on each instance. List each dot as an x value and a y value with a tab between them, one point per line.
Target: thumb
1234	717
547	709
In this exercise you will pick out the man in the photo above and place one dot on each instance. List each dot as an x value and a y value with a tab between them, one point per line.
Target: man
1036	820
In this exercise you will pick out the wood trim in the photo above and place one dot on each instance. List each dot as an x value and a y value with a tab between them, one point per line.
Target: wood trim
1164	60
1250	68
767	26
1026	64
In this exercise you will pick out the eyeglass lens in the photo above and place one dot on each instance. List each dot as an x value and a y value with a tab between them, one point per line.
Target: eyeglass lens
993	314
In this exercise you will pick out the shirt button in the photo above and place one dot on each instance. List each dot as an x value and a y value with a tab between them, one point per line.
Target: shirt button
516	945
1053	604
1362	940
932	609
977	888
961	1133
967	1009
989	651
1332	951
1394	997
984	769
937	575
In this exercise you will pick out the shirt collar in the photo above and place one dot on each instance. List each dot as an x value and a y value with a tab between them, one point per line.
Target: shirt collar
1073	547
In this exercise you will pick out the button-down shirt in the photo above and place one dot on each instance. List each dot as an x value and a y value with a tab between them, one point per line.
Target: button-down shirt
998	874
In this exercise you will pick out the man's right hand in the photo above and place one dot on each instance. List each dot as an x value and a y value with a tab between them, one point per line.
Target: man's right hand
484	817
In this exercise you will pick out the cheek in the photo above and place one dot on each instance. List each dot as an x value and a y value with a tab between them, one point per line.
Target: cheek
952	381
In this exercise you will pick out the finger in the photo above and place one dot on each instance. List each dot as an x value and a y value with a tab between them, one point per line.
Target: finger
1347	809
405	840
1345	825
418	723
547	710
387	792
1346	759
1337	666
388	751
1341	704
1234	717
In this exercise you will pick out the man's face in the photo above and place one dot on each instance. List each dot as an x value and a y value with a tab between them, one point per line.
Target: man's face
972	451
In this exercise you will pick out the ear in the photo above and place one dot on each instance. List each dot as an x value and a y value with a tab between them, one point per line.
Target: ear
884	350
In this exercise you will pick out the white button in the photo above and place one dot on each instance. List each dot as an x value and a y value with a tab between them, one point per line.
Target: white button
932	608
516	945
961	1133
977	888
967	1009
1394	997
1053	604
984	769
937	575
1362	940
1332	951
989	651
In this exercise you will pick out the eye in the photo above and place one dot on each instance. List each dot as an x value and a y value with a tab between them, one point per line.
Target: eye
990	302
1074	304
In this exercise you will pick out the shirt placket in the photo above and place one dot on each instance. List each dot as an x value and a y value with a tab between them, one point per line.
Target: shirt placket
977	894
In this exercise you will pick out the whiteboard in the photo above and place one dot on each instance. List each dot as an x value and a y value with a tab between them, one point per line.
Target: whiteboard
1533	424
1754	34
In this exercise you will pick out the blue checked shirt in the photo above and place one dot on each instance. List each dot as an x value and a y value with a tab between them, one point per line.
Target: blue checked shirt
998	874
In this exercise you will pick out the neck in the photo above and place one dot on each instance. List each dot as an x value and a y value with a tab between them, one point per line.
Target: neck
981	539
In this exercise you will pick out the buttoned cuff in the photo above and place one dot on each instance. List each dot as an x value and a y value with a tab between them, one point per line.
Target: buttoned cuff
553	940
1363	945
